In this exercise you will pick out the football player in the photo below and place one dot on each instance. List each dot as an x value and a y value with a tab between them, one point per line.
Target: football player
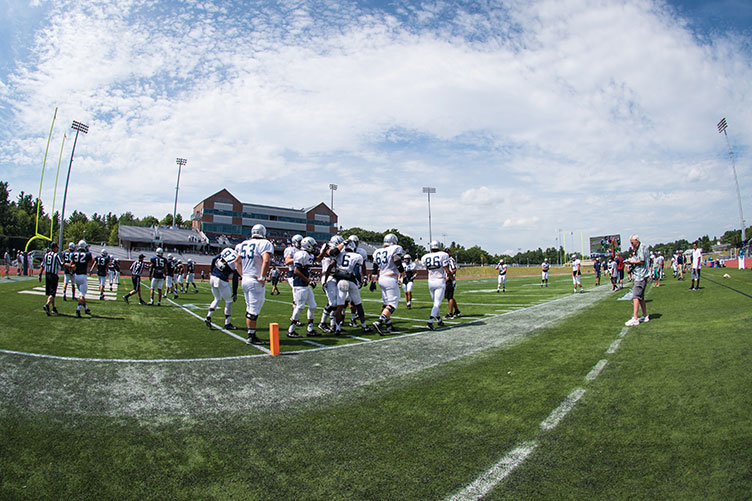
302	287
137	268
190	273
222	270
79	264
387	262
502	282
408	278
179	276
327	257
437	264
111	272
254	256
157	273
454	310
358	312
289	255
274	276
544	272
116	271
102	262
576	273
68	271
348	269
51	264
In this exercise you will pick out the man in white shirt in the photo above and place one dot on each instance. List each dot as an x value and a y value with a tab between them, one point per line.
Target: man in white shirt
437	264
696	266
252	263
576	273
502	282
387	262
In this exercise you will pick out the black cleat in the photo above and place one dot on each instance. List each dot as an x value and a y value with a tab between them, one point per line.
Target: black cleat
47	310
208	322
125	298
230	327
440	323
253	339
141	301
64	298
78	313
366	329
293	334
379	327
101	297
430	326
448	316
312	333
87	311
324	327
54	310
457	315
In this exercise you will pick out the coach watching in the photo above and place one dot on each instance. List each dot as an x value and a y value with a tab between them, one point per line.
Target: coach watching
640	272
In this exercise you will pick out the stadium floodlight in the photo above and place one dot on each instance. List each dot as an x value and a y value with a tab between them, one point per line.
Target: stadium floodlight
428	190
181	162
78	127
332	188
722	125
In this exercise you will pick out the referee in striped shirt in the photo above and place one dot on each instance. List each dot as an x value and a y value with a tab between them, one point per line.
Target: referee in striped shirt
137	268
51	264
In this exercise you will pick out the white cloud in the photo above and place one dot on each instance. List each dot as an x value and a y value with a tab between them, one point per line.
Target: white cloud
585	112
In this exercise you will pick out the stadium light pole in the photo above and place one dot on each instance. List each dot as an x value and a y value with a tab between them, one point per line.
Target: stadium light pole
181	162
722	125
428	190
78	127
332	188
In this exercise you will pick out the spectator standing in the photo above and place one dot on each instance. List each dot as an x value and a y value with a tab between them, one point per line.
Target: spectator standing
696	266
640	263
451	285
6	257
597	269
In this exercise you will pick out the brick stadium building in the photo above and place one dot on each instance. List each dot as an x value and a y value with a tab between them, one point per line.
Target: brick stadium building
223	215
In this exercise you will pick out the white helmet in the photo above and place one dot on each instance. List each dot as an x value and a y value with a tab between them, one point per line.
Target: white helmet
308	244
159	251
190	261
351	245
71	245
435	245
390	239
179	261
104	252
169	256
354	239
296	239
82	244
258	231
501	261
407	257
336	240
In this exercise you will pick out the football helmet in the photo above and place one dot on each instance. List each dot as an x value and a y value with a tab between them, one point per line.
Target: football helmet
190	261
390	239
308	244
354	238
258	231
501	261
104	252
336	240
351	245
71	245
296	239
407	258
159	251
82	244
169	256
435	245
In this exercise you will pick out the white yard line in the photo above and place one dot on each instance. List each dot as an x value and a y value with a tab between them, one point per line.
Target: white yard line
596	370
229	333
614	346
560	412
498	472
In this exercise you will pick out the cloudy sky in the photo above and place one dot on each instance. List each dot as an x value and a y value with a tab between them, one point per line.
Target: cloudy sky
528	117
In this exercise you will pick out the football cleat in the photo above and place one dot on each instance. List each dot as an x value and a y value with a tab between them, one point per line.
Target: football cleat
430	325
379	327
54	310
125	298
208	322
230	327
365	328
292	333
253	339
47	310
312	333
440	323
322	326
78	313
87	311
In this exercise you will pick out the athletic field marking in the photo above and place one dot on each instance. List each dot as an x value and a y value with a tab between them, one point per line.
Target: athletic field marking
498	472
229	333
596	370
314	343
358	338
614	346
730	288
560	412
130	360
623	332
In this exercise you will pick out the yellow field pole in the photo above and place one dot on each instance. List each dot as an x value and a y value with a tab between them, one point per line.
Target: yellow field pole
41	179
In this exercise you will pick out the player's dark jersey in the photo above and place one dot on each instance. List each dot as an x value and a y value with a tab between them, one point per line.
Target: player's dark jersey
220	269
597	266
170	267
158	266
81	260
189	268
115	265
103	262
66	255
303	262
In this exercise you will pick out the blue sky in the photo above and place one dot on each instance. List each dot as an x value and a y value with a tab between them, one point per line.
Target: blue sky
528	117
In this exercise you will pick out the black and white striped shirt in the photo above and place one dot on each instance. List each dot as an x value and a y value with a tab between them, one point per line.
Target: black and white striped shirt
137	268
51	263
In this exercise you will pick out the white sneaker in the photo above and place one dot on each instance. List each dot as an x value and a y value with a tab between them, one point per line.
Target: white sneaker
632	322
645	319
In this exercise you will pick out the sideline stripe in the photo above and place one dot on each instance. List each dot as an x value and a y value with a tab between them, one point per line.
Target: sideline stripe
596	371
623	332
558	414
614	346
487	481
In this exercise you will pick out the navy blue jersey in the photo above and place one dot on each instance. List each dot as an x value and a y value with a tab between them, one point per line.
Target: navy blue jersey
81	260
102	263
189	268
597	266
66	255
170	267
222	270
158	266
303	262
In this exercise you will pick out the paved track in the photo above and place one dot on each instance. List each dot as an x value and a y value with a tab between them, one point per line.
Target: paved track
202	388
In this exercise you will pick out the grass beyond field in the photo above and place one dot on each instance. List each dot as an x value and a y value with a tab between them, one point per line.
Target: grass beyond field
665	417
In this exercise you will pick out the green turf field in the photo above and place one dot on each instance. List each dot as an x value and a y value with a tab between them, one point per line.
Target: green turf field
661	409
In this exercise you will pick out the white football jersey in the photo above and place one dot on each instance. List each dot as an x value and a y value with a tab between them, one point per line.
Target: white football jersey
326	261
575	265
290	252
251	253
386	258
434	263
502	269
349	263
